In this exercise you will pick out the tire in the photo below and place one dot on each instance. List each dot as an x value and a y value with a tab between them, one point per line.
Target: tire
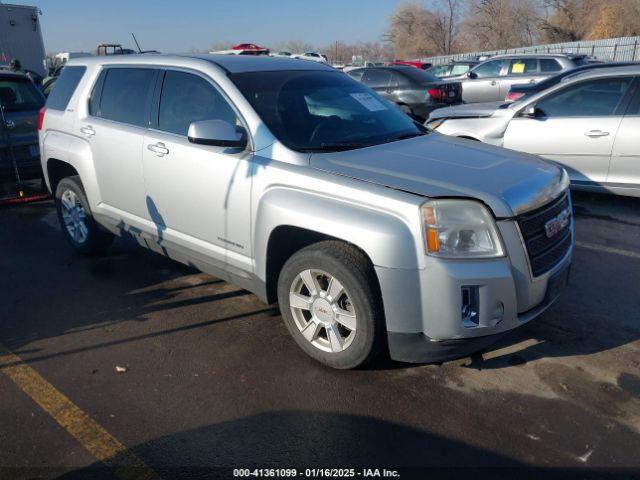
76	220
340	324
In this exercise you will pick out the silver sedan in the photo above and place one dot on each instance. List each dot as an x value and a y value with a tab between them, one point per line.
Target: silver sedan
588	123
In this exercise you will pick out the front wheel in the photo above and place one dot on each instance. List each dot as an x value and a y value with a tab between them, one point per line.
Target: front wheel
330	302
76	220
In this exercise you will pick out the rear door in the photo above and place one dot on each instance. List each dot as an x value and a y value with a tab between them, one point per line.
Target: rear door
519	70
118	118
625	159
379	79
482	85
575	126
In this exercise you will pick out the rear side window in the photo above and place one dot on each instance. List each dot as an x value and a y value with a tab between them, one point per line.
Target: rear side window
377	77
126	96
188	98
523	66
19	95
399	80
64	87
549	65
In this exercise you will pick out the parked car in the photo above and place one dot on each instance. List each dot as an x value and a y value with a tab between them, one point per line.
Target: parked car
588	123
521	91
412	63
282	54
453	69
20	104
490	80
415	91
307	188
313	56
243	49
250	49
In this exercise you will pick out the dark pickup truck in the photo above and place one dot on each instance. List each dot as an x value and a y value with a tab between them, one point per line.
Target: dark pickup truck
20	104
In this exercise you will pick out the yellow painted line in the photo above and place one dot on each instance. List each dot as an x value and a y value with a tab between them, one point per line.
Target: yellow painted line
92	436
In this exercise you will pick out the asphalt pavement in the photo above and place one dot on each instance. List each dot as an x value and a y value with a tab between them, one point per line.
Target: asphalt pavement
134	362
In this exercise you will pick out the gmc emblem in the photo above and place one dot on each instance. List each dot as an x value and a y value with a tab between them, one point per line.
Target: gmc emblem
557	223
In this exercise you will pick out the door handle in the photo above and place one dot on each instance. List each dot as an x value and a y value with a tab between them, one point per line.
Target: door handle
158	148
532	81
88	131
596	133
493	82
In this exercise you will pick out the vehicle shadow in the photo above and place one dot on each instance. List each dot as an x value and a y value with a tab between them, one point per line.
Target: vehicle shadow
300	439
54	292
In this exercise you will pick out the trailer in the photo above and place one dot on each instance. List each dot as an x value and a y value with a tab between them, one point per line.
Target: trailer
21	37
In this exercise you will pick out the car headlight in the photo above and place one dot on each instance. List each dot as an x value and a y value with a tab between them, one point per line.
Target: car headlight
460	229
433	124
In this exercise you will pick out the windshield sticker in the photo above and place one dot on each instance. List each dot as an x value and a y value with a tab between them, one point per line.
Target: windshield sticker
369	102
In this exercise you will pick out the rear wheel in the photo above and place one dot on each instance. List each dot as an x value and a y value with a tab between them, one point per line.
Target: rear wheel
76	220
330	303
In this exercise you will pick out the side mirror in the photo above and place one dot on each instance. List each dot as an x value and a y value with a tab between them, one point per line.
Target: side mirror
217	133
471	74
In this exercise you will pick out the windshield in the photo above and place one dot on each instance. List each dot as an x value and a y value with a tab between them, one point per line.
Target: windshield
323	110
17	95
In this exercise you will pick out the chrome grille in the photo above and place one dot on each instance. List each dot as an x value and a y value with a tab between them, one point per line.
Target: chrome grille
545	252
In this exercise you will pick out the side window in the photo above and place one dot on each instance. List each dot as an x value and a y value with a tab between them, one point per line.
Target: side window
356	74
188	98
66	84
549	65
375	77
489	69
634	105
399	80
595	98
126	95
523	66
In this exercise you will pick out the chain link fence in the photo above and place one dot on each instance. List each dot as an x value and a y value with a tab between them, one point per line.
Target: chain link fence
622	49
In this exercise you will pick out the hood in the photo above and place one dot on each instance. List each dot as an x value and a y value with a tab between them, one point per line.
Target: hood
436	165
467	110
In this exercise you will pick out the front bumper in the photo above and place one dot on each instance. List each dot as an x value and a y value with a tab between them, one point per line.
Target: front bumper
423	308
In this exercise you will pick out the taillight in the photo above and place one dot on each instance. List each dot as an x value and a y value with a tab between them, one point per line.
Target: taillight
513	96
437	94
41	117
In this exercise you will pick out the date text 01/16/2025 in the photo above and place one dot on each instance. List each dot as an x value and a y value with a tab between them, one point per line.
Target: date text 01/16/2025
316	472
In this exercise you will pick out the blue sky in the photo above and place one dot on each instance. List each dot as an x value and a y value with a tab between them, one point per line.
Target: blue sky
177	26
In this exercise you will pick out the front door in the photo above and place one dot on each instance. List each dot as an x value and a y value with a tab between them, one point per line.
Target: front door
198	196
574	126
483	84
625	160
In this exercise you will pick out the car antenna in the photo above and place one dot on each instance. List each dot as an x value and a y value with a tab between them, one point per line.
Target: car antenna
137	44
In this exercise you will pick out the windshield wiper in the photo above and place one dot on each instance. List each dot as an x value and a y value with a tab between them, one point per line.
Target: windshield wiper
336	147
405	136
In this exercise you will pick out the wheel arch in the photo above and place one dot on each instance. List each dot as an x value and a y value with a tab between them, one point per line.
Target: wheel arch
283	223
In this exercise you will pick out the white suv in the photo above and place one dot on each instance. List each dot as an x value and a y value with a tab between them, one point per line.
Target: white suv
298	183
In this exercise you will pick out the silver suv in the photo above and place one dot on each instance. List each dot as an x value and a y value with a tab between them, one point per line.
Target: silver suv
296	182
491	80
